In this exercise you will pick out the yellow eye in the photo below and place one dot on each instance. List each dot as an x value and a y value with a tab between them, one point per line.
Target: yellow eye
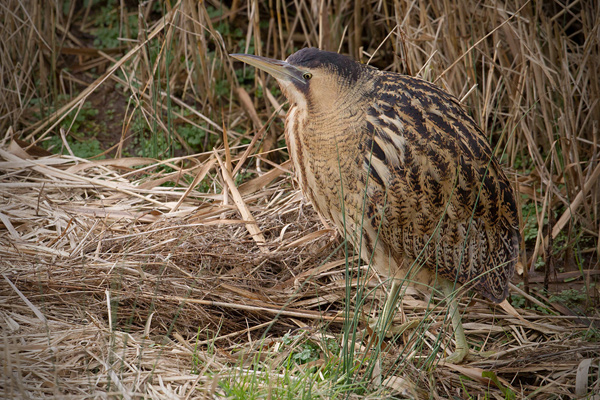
307	75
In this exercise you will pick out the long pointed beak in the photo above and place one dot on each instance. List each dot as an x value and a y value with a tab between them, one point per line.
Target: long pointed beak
280	70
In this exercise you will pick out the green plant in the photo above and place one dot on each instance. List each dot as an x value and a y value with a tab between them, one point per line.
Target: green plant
570	296
531	226
109	30
306	351
80	127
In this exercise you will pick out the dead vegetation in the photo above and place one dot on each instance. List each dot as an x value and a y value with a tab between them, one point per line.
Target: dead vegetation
179	268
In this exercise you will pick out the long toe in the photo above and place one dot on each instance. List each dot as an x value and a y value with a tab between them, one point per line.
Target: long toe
458	356
393	330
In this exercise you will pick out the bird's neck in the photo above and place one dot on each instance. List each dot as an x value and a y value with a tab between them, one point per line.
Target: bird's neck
337	101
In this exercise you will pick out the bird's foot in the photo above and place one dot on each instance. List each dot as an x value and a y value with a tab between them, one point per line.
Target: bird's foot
392	330
487	354
458	356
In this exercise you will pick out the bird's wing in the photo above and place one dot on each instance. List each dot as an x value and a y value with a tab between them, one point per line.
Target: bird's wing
449	205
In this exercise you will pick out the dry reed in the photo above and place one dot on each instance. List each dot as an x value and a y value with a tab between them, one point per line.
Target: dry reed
135	277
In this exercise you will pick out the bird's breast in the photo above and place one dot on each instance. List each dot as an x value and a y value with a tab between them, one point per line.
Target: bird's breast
324	148
295	125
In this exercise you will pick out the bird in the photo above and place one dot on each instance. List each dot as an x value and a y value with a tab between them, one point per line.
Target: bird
398	166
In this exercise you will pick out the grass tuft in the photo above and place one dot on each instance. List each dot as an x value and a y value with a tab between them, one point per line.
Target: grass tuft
153	243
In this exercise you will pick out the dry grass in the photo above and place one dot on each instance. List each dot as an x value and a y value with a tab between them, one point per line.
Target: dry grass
203	274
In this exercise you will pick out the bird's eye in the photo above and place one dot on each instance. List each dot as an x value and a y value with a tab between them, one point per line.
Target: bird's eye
307	75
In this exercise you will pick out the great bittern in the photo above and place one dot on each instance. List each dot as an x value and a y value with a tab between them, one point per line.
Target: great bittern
398	165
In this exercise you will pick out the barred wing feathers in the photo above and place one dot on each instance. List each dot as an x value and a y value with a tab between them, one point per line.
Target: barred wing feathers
448	204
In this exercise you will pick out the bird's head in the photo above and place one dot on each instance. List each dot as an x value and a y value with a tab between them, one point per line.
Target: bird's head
312	77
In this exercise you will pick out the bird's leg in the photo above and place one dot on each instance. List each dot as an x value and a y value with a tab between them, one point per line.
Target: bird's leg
390	303
462	347
384	323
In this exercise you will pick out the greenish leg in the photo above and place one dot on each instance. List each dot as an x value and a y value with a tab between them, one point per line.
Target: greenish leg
462	347
386	316
390	303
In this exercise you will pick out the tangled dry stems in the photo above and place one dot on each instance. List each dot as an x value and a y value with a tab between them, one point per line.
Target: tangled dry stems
110	293
121	279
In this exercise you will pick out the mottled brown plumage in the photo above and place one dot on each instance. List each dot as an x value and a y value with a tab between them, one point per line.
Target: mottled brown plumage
399	165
